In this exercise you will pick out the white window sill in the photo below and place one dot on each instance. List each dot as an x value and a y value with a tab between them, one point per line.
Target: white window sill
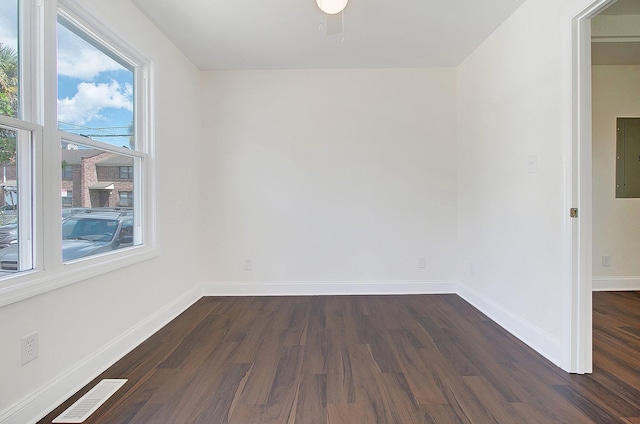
32	283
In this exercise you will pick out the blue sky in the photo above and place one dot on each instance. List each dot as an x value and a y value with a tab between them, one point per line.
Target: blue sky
95	93
8	24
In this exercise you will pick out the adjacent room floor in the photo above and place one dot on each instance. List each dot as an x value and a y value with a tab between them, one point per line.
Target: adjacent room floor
368	359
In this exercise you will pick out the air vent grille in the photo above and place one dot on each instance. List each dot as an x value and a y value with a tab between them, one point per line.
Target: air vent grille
87	404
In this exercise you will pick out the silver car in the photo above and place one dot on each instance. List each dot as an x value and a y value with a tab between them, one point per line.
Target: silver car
84	235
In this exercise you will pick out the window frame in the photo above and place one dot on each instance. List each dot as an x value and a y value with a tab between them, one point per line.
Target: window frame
38	96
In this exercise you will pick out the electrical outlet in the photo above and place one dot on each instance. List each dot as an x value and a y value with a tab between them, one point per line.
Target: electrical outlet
606	260
29	346
248	264
422	262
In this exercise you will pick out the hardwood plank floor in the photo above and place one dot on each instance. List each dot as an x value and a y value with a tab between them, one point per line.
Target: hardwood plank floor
367	359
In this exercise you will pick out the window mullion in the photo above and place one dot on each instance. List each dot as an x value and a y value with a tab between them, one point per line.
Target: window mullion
25	168
48	184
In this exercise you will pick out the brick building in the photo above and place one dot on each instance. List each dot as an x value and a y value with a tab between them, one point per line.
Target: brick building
90	178
95	178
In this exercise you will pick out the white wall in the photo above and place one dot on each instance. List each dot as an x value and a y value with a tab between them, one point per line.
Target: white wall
603	26
616	93
336	176
75	323
510	220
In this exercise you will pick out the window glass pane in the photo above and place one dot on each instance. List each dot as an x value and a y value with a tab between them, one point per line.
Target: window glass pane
67	198
126	198
95	218
15	247
126	172
95	89
8	183
9	58
67	171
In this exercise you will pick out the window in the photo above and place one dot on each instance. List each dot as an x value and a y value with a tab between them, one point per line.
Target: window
67	171
17	191
125	172
126	198
67	198
18	136
96	154
96	107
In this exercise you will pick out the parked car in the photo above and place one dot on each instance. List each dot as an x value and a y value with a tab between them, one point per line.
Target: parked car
67	212
7	213
84	235
9	232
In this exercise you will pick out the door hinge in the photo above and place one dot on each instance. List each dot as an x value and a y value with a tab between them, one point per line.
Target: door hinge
573	212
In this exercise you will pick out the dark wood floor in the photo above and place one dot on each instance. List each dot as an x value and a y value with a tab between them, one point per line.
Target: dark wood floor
368	359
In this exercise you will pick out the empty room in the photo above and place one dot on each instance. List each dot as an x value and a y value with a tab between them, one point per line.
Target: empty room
318	211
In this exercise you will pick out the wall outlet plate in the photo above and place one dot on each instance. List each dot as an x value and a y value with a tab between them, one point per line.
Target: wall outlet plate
29	346
248	264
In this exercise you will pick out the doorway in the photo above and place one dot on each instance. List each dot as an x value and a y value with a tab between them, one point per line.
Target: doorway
583	157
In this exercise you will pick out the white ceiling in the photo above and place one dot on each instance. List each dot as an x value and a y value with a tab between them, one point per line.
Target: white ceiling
289	34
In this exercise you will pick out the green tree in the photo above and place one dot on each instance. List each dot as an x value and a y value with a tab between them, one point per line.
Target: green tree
8	100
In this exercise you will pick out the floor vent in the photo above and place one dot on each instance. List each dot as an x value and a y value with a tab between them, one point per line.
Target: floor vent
87	404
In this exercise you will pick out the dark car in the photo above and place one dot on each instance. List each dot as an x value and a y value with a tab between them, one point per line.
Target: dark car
84	235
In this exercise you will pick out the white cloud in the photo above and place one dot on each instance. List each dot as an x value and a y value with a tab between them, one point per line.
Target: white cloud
78	59
84	63
91	99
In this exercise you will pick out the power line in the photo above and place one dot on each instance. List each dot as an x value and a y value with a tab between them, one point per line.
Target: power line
106	135
102	129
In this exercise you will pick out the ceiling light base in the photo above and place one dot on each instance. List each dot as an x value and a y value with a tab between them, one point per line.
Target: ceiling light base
331	7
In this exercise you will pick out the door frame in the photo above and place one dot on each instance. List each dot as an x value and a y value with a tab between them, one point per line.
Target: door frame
580	311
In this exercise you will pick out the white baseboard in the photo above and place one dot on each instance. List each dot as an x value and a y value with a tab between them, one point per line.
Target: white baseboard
39	403
319	288
528	333
616	283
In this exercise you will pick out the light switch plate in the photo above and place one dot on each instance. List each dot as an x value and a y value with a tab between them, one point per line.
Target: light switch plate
532	164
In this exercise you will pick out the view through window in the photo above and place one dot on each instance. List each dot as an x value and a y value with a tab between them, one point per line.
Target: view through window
15	145
9	66
87	201
96	103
